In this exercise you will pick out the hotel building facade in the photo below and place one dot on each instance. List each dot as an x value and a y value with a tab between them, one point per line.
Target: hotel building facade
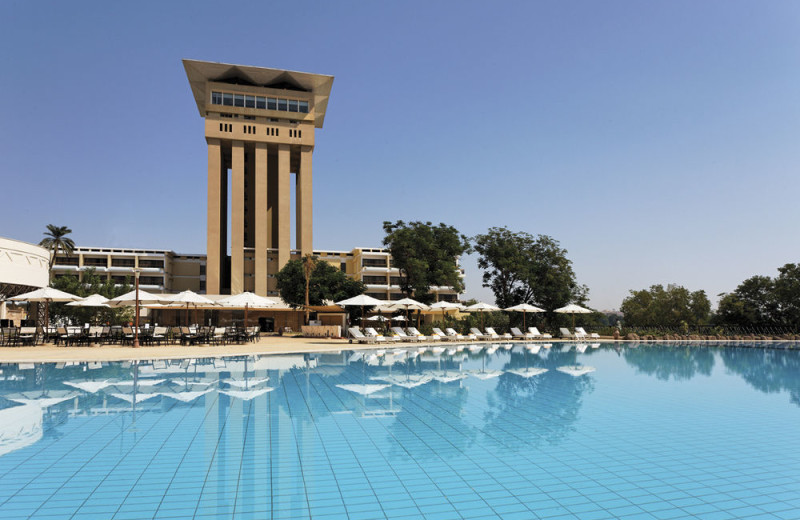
259	127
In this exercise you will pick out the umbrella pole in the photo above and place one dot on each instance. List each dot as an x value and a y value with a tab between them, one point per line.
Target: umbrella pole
523	321
245	316
136	329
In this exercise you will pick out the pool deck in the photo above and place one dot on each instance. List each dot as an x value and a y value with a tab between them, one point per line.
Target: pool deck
49	352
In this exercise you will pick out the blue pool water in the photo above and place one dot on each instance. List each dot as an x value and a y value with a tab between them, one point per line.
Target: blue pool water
651	432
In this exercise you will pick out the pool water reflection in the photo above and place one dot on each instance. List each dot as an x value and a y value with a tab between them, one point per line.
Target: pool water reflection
571	431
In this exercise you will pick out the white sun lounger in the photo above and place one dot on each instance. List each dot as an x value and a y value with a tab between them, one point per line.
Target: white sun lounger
495	335
412	331
444	336
565	333
403	336
581	332
372	333
356	335
519	335
478	334
537	334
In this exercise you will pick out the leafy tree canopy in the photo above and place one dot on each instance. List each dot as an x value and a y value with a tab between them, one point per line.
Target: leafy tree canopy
673	306
426	256
327	283
522	268
92	283
761	301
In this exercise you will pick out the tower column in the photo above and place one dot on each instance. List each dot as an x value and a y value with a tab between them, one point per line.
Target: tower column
304	200
261	219
237	217
216	223
284	196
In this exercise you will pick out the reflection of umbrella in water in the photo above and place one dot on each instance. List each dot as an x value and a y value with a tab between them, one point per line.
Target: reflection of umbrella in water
89	386
575	370
363	389
138	397
139	382
581	347
186	397
43	401
247	395
528	372
238	383
485	374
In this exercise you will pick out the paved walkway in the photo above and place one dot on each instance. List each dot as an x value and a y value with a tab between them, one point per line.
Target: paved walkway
265	345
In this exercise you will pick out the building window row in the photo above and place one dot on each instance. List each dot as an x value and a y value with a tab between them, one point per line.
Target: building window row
295	133
373	262
264	103
249	129
379	280
225	127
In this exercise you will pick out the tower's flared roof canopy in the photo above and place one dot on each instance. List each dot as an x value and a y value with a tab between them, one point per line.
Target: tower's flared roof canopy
201	72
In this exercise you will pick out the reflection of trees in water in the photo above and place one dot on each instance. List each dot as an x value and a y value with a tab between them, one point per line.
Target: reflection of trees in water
679	362
431	423
766	370
523	412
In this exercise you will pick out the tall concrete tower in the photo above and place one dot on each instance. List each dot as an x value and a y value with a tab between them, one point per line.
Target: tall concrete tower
259	126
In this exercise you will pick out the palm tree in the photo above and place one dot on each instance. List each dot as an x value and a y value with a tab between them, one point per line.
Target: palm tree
55	239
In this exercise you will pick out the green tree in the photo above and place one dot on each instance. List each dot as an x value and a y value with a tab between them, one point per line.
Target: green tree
55	239
674	306
787	295
326	283
91	283
752	304
522	268
426	256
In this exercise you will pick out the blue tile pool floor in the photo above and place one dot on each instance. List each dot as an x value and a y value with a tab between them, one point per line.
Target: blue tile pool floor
654	432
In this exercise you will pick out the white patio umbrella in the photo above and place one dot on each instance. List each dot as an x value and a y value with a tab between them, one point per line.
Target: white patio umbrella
246	300
362	300
573	309
524	308
410	304
482	307
135	298
94	300
46	295
445	306
188	298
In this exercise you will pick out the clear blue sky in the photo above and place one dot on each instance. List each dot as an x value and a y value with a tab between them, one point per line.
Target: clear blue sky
659	142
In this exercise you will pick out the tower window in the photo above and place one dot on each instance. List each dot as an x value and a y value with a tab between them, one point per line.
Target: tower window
216	98
272	104
238	100
261	102
227	99
250	101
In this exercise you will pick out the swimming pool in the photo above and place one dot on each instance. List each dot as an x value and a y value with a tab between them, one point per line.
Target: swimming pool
571	431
